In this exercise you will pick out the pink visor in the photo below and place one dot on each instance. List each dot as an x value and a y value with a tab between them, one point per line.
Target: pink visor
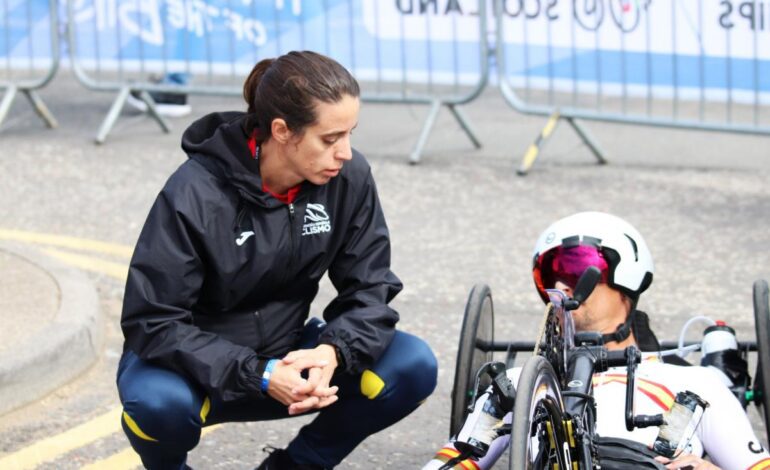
567	264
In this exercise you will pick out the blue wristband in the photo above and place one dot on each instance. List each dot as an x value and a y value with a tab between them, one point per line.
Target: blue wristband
267	373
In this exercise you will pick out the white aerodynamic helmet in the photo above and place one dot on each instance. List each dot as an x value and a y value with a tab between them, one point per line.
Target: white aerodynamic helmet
569	245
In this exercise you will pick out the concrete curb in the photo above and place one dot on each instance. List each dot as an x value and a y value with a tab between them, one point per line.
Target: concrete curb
59	351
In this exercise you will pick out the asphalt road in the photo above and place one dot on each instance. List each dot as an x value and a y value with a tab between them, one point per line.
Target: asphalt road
460	217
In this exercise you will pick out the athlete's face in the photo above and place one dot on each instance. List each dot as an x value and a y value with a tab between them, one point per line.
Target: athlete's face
318	153
602	311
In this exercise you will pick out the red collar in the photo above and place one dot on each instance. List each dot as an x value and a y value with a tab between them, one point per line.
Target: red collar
286	198
291	194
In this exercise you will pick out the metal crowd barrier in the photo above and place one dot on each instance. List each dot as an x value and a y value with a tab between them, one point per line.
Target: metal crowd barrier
404	51
680	64
29	53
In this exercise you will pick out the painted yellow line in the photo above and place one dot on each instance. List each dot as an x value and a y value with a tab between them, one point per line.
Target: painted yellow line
89	263
63	241
52	447
127	459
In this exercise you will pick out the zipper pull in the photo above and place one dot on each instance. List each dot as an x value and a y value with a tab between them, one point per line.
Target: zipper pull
291	210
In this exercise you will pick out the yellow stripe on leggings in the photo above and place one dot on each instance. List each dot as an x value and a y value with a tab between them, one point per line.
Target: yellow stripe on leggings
205	409
127	459
136	429
371	384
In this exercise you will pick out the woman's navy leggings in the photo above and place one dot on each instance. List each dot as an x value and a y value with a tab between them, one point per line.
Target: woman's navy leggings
163	412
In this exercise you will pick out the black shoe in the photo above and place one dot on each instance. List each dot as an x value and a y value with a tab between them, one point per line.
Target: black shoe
166	103
279	460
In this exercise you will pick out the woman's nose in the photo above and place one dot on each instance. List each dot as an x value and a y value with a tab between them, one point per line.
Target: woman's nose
345	153
344	150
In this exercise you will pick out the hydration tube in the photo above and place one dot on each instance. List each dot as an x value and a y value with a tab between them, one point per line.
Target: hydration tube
682	350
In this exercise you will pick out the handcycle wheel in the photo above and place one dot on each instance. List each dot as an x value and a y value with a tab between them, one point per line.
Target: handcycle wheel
538	437
762	325
478	325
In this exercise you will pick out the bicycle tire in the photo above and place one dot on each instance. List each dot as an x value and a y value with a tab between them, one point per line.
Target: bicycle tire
478	324
762	326
538	394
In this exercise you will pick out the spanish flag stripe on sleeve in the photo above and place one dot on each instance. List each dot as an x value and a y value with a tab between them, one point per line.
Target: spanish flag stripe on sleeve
470	464
763	464
449	453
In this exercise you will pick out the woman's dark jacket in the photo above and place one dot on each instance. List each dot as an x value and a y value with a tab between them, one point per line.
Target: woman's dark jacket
223	274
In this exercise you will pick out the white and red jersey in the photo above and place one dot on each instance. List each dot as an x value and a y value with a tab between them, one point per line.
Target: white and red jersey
724	432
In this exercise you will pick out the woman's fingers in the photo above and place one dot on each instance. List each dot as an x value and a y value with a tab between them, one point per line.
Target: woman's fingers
305	405
314	387
687	461
311	403
293	356
306	362
314	391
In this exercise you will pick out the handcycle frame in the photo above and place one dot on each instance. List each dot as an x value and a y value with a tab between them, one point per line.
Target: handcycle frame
477	346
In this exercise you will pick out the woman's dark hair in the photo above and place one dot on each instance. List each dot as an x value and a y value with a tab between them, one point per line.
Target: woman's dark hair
287	87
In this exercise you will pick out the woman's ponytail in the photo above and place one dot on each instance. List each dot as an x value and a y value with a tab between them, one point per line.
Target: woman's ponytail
290	86
251	85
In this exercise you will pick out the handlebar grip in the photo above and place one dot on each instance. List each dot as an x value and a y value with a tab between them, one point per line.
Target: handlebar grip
617	358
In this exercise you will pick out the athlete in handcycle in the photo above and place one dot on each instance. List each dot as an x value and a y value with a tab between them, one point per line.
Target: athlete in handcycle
588	399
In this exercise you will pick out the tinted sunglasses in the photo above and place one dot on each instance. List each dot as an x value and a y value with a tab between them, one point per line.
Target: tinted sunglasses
567	264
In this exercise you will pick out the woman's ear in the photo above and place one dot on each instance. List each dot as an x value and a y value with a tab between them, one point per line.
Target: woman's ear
280	131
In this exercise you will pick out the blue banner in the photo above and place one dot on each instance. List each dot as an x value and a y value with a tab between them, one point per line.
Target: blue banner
688	46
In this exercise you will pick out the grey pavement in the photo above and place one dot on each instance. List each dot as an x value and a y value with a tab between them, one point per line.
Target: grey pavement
51	325
460	217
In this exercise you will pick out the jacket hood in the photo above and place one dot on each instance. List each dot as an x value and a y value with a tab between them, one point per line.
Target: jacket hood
220	142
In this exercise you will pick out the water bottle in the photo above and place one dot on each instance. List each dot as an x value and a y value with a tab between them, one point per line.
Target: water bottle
717	340
680	423
481	427
720	352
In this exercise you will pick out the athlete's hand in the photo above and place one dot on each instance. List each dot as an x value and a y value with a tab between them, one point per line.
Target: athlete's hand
300	394
687	462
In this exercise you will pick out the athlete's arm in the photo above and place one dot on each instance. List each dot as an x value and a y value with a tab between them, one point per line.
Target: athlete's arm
725	430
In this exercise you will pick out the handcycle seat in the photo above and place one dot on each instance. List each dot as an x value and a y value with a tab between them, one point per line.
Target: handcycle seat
623	454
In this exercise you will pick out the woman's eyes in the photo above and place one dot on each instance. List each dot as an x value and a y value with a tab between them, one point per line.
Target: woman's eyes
333	140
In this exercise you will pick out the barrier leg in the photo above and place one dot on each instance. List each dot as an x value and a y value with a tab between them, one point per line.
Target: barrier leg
465	124
153	110
5	105
112	115
117	107
414	158
537	145
589	140
41	109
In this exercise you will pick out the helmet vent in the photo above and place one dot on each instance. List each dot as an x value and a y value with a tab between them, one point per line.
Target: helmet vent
572	241
633	245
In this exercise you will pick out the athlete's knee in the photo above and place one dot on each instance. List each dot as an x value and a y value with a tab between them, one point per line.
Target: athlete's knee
166	414
421	368
409	368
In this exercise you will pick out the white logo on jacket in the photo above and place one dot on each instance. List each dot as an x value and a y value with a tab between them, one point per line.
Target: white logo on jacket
242	239
316	220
